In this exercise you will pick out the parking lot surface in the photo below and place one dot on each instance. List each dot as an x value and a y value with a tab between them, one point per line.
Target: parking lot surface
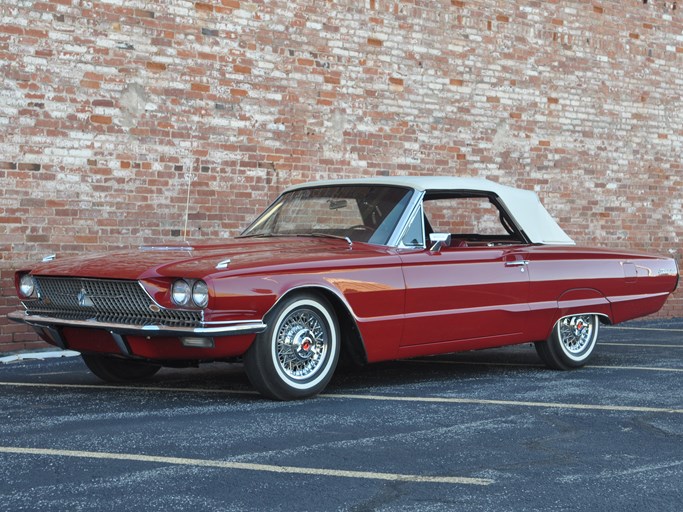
489	430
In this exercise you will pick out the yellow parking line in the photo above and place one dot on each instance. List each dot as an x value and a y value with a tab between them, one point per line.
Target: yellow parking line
532	365
642	328
124	387
224	464
645	368
478	401
387	398
646	345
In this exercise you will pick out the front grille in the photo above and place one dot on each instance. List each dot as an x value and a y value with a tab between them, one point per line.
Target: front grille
104	300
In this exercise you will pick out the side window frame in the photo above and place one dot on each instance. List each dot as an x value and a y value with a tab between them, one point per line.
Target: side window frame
416	216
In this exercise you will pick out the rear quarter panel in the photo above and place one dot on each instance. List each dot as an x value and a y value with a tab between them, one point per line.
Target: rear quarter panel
617	284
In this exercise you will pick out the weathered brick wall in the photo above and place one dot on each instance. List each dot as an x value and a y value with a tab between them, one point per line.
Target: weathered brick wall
110	109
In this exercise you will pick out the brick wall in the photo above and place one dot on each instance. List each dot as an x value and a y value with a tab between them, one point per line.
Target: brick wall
110	110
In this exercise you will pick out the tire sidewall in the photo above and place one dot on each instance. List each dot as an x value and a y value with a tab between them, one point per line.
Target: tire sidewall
111	369
571	358
324	372
261	362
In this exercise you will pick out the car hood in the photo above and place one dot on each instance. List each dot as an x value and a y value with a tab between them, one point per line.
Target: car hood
201	261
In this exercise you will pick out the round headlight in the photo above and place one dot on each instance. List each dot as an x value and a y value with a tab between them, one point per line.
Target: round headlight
27	285
200	294
181	292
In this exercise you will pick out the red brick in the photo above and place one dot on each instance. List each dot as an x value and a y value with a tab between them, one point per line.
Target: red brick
100	119
90	84
200	6
155	66
200	87
141	13
238	68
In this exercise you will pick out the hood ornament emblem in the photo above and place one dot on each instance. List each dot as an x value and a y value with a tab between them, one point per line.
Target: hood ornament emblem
84	300
223	265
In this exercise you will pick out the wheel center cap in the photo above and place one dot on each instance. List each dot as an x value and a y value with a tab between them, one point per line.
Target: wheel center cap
303	344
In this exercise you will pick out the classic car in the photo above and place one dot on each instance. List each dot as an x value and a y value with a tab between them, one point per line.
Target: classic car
369	269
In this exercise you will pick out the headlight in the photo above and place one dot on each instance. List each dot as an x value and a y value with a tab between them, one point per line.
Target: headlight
181	292
27	286
200	294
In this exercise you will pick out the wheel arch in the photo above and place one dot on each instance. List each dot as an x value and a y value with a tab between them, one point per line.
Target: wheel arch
602	317
583	301
352	344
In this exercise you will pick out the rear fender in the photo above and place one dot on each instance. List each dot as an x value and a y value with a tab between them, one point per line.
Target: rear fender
583	300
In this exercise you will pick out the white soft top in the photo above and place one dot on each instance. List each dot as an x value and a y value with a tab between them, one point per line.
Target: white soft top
522	205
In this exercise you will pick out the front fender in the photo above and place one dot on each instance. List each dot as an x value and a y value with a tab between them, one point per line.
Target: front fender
374	299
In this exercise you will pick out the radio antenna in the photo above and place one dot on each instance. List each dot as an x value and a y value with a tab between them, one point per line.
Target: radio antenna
190	179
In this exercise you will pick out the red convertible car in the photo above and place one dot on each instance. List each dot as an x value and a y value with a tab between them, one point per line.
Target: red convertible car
367	269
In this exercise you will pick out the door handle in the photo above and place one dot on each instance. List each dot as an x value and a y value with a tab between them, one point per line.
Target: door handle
516	263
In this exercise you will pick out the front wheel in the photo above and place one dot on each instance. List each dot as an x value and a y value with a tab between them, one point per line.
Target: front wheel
113	369
296	355
571	342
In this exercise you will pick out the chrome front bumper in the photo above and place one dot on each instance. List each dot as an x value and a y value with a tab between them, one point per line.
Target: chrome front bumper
226	329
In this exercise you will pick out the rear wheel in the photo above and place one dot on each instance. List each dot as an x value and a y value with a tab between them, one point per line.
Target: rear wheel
297	354
571	342
112	369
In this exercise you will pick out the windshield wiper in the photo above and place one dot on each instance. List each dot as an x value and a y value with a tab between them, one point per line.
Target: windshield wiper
327	235
257	235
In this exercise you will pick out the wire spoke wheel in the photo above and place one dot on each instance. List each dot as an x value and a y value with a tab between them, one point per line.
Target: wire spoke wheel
571	342
297	354
576	334
302	344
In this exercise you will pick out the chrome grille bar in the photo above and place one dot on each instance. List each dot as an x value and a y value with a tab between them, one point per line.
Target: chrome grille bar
104	300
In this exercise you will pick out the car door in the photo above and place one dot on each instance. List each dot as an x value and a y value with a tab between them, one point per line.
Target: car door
474	289
464	293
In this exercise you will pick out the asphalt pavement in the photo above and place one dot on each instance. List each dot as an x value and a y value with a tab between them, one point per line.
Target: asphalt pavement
484	431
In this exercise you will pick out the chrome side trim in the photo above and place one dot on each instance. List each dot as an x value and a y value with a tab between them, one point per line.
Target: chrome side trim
602	316
226	329
166	248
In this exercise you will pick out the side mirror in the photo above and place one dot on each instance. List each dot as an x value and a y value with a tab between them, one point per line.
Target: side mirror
438	240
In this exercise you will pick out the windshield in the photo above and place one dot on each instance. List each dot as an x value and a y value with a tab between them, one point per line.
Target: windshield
360	212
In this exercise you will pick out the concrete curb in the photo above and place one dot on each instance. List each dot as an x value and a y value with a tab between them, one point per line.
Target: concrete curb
38	355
